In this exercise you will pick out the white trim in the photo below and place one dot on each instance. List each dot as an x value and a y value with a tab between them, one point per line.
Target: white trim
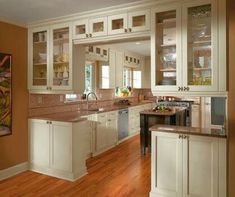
8	21
14	170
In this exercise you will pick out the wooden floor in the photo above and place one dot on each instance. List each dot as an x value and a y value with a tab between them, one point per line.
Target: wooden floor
121	171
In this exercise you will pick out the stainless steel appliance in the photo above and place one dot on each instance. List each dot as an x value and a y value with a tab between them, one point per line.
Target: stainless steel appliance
122	124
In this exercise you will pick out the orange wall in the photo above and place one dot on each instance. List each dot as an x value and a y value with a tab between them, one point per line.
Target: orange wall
14	148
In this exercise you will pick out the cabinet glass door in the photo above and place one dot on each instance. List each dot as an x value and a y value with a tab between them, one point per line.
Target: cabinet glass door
80	29
40	59
61	57
200	44
117	24
98	27
167	58
139	21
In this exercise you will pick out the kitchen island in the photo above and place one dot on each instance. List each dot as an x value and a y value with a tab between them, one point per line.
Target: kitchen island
148	118
187	161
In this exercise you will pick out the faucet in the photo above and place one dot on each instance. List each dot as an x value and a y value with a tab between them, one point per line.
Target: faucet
87	98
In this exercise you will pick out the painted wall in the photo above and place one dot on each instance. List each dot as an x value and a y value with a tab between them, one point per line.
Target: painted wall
231	98
14	148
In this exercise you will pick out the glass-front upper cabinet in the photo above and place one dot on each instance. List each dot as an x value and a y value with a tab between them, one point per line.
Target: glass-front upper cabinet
61	57
200	47
167	61
39	58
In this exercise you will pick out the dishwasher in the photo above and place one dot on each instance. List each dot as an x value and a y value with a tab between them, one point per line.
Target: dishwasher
122	124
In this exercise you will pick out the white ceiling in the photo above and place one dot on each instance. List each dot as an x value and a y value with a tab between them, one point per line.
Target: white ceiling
139	47
28	11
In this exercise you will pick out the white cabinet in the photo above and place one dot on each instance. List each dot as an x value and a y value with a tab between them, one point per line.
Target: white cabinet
185	46
59	149
135	21
39	143
104	131
51	63
188	165
89	28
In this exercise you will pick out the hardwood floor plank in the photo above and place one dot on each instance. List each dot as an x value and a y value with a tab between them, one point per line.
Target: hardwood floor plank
119	172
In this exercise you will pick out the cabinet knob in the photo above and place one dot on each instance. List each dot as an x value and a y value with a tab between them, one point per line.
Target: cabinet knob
180	136
185	136
188	88
90	35
130	29
87	35
125	30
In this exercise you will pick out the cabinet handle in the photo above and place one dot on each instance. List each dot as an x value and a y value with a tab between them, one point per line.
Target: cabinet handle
130	29
188	88
125	30
180	136
185	137
87	35
180	88
90	35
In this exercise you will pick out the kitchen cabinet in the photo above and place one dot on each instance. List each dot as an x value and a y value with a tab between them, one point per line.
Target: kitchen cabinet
104	131
195	115
50	59
188	165
132	60
135	21
58	148
97	53
185	47
89	28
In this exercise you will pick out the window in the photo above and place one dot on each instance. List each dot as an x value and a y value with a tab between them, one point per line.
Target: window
131	78
88	78
136	79
105	76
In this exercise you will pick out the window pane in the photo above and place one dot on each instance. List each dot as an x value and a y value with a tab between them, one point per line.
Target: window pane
105	76
88	78
136	79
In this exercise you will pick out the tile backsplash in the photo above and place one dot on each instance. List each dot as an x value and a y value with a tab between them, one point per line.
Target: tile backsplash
40	104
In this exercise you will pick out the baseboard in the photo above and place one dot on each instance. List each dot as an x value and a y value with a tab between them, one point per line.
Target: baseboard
14	170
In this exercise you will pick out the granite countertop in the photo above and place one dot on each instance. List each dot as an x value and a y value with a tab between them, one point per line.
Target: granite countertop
81	115
189	130
162	113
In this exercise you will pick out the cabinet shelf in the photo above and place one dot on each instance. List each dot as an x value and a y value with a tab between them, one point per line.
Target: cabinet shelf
38	63
168	45
201	69
61	40
168	70
57	63
40	42
39	78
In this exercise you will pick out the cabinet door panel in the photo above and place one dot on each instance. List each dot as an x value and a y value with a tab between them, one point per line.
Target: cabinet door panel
98	27
167	152
101	136
200	167
38	58
200	46
117	24
39	143
80	29
139	20
166	45
61	147
111	132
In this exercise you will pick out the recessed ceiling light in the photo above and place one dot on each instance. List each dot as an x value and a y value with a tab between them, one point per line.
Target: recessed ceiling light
137	43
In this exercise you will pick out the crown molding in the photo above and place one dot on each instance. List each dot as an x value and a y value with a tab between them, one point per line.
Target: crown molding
5	20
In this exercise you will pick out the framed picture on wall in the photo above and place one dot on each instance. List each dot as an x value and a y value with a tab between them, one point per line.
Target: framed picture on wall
5	95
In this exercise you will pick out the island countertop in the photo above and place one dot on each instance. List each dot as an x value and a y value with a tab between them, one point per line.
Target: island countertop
172	112
211	132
